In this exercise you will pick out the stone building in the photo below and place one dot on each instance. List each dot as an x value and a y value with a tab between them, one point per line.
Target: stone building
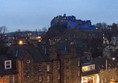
8	68
57	63
69	62
33	65
72	22
41	64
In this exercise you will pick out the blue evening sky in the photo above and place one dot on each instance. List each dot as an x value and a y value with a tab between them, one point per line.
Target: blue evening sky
36	14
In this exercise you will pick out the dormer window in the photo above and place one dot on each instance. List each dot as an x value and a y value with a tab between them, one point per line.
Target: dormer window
8	64
88	67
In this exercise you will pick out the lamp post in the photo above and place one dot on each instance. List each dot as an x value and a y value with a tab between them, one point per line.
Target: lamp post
107	67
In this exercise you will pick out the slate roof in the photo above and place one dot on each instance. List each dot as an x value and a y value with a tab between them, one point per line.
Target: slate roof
4	71
63	49
37	53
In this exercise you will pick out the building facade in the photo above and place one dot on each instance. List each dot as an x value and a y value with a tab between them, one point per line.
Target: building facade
43	64
8	68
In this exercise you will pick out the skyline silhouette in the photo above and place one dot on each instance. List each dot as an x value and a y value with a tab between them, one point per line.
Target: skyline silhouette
37	14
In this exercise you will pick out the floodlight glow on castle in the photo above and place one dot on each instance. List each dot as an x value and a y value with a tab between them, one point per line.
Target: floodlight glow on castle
72	22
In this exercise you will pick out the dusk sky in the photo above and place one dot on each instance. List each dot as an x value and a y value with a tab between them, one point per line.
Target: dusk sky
36	14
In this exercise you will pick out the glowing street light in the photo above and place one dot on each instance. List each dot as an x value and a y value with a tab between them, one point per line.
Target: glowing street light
20	42
113	58
107	67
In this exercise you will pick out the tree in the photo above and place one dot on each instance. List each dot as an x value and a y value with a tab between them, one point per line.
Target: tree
3	29
101	25
3	47
44	29
114	27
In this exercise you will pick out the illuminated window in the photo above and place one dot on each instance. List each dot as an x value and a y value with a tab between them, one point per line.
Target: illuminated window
8	64
85	68
92	67
88	68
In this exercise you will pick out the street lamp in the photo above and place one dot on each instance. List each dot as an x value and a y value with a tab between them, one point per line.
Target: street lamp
107	67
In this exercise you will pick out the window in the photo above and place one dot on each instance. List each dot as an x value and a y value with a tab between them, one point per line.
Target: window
48	67
115	77
67	67
48	78
102	80
67	60
40	68
79	63
88	68
58	65
40	78
58	76
78	73
92	67
8	64
67	79
11	79
105	80
84	68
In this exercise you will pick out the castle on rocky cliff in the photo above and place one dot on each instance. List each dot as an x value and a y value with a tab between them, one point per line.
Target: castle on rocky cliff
72	22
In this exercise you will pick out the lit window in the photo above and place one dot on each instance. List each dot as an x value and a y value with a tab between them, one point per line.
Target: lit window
88	68
92	67
85	68
8	64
